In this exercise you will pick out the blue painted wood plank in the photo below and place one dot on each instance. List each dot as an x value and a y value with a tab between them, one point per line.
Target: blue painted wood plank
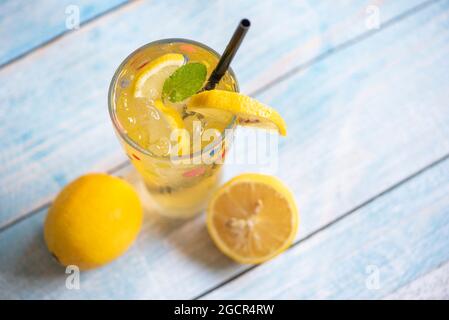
367	255
57	126
431	286
342	150
26	25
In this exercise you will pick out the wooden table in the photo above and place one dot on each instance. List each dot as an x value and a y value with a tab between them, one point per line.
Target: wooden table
367	154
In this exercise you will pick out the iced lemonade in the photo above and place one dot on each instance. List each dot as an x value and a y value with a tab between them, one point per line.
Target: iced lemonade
145	120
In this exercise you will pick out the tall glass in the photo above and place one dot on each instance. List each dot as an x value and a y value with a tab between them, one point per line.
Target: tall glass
179	188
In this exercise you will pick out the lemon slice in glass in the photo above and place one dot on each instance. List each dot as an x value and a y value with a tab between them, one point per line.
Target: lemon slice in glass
249	111
252	218
171	116
173	121
150	79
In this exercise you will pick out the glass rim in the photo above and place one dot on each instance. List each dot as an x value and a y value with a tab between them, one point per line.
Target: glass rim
112	103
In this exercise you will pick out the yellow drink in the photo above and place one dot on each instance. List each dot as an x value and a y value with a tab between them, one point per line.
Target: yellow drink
180	188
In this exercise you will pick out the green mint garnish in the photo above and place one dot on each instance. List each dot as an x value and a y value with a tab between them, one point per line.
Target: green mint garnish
184	82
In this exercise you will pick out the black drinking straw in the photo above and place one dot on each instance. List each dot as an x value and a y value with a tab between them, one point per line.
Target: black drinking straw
228	54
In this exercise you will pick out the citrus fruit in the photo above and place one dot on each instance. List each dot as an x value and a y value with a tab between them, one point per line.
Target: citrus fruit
174	121
252	218
92	221
150	79
249	111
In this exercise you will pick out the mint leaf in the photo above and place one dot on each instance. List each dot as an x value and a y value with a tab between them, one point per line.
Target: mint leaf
184	82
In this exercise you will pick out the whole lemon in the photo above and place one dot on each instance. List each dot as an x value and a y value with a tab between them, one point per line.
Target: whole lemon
92	221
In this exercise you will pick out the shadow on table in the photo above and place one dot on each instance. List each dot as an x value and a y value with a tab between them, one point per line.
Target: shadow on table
189	237
161	240
35	263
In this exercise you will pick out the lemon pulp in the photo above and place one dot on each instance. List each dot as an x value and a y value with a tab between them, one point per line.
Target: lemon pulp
252	218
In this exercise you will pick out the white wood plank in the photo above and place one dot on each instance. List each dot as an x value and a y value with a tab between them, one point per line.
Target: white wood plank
370	253
54	124
344	147
26	25
431	286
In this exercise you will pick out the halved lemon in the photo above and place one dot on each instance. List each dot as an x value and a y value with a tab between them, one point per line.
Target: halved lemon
150	79
252	218
249	111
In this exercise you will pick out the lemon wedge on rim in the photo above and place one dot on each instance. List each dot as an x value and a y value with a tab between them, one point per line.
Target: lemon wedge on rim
252	218
249	111
150	79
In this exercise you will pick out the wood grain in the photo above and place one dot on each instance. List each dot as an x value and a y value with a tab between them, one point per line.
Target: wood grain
357	125
54	124
367	255
431	286
26	25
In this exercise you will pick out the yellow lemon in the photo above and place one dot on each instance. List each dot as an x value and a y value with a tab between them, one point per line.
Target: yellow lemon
252	218
92	221
151	78
249	111
174	122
